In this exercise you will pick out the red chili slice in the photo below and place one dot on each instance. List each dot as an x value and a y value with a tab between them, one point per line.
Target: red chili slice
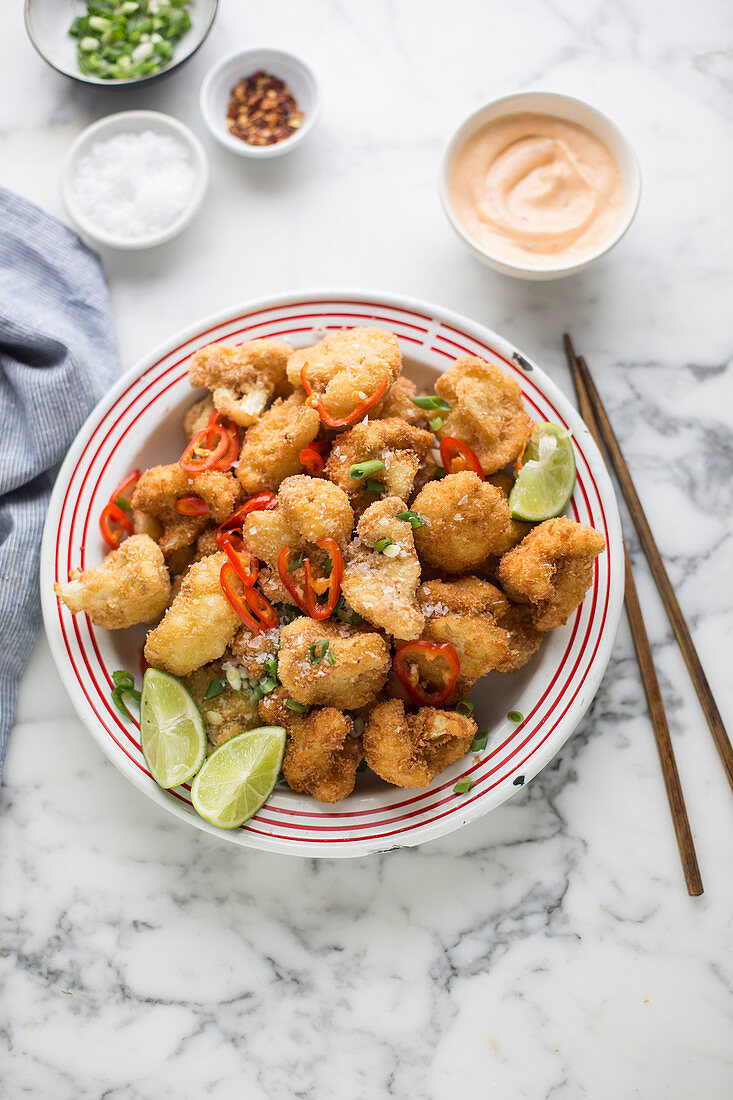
325	414
113	512
313	458
231	454
191	506
246	565
407	670
457	455
255	611
206	449
317	610
260	502
287	578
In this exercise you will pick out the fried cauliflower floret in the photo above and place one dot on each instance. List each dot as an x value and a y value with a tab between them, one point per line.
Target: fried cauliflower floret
198	416
465	518
347	367
271	448
227	714
265	534
161	486
552	569
486	411
400	446
253	651
346	672
524	638
380	587
146	525
130	586
321	755
398	402
242	379
409	749
316	508
464	596
481	645
198	625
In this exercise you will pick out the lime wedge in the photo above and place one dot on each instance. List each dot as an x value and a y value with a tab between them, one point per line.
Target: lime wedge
238	778
172	733
546	481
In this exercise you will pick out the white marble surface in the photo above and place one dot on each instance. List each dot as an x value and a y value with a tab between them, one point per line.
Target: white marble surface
549	950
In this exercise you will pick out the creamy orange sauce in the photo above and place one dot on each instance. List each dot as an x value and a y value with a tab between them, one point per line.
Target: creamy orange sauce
536	190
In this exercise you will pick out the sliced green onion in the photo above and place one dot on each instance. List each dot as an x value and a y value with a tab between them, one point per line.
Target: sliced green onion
271	666
123	503
515	716
435	423
331	656
373	486
216	687
297	563
465	707
214	718
431	402
267	684
463	786
299	708
346	614
318	650
365	469
123	679
479	741
381	544
412	518
118	698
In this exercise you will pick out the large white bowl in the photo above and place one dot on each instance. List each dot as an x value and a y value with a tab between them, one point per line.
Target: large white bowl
138	424
570	109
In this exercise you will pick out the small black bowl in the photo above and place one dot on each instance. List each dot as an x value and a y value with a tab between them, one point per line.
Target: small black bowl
47	23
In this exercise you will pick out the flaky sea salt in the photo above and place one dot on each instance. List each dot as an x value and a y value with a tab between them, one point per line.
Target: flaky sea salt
134	185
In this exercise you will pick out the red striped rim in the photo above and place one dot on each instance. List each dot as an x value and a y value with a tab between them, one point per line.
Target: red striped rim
425	804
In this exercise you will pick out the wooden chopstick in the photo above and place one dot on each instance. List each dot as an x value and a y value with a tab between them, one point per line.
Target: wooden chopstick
657	714
663	583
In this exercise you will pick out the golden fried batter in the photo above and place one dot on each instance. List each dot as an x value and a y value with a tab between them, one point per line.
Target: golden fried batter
253	651
271	448
316	508
226	715
465	519
242	379
321	755
400	446
198	416
347	367
524	638
130	586
347	672
409	749
265	534
198	625
380	587
464	596
398	402
161	486
552	569
481	645
486	411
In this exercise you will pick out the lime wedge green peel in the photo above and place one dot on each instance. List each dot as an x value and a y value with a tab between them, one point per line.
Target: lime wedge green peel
546	481
172	733
239	777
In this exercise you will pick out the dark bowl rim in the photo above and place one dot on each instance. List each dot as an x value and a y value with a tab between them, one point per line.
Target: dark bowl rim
96	83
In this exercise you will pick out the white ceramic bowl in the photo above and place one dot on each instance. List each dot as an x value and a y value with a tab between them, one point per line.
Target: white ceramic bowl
217	87
47	23
139	424
131	122
573	110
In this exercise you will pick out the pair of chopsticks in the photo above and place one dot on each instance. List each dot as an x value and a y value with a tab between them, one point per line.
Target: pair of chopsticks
594	415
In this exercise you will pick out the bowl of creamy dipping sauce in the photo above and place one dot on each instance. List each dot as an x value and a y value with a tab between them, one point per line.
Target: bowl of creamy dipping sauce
539	185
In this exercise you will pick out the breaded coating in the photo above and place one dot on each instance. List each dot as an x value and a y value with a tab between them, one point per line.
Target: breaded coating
409	749
400	446
253	651
486	411
146	525
316	508
227	714
198	625
524	638
321	753
347	672
347	367
242	379
382	588
271	448
552	569
398	402
130	586
265	533
198	416
161	486
481	645
464	596
465	519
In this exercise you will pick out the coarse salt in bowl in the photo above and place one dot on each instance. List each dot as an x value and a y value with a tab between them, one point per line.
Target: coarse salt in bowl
134	179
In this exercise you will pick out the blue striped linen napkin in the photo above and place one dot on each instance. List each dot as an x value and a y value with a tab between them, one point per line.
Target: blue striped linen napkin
58	355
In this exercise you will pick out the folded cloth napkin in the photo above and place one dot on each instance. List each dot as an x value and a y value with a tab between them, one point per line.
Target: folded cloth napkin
58	355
